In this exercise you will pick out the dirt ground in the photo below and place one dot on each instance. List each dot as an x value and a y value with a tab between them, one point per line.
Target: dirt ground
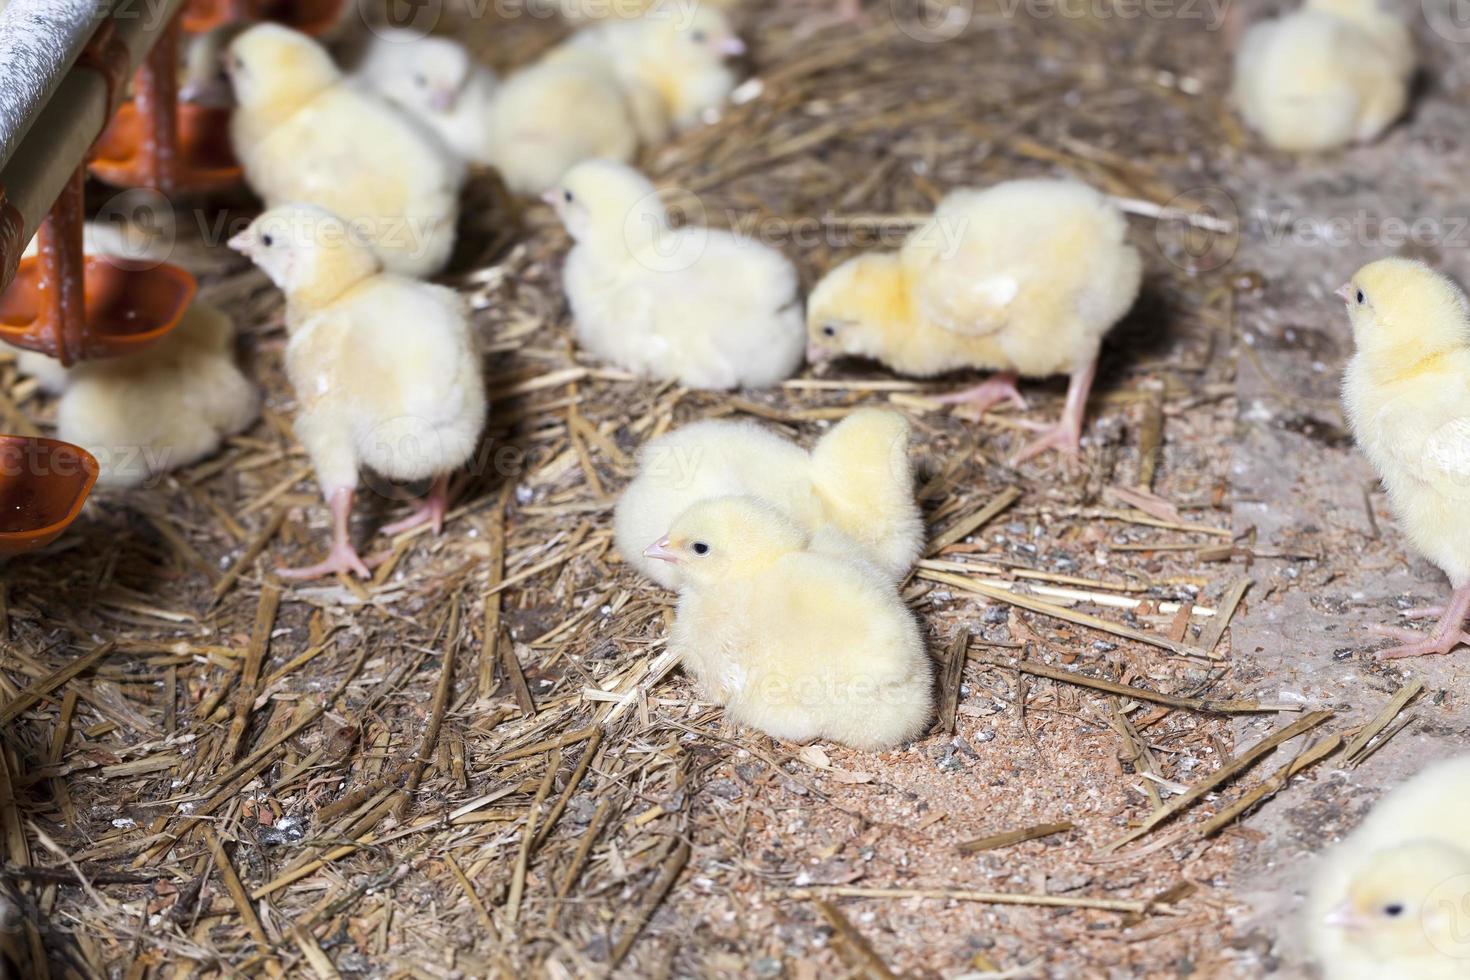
481	763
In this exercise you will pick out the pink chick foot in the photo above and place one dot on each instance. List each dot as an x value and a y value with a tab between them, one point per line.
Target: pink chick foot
342	558
1066	435
1447	634
990	392
431	510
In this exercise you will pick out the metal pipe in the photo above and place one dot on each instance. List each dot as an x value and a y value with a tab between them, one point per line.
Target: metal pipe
70	121
39	42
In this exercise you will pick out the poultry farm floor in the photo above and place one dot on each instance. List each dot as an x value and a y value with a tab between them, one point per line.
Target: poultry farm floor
481	763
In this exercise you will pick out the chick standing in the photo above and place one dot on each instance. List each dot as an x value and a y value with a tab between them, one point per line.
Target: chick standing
305	135
797	644
1332	73
1024	278
1392	901
858	479
1407	398
697	305
382	365
439	82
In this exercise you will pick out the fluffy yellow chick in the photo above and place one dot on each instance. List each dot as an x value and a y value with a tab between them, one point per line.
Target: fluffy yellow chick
577	10
383	366
162	408
797	644
438	81
677	59
1332	73
697	305
306	135
1392	901
1023	278
554	114
858	480
1407	399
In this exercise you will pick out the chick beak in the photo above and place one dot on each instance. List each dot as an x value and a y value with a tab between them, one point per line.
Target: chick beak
732	47
553	197
817	356
1344	917
661	550
244	243
1346	291
441	100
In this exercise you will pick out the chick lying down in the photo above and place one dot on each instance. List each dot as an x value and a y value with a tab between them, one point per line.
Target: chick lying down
798	644
158	410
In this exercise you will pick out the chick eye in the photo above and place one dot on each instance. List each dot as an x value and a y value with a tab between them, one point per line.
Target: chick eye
420	79
567	196
698	37
267	240
699	548
1361	297
829	331
1396	909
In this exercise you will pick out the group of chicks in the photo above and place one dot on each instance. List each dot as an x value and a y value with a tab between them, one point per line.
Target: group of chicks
787	562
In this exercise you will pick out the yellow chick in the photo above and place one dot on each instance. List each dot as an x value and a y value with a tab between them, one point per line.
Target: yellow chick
675	59
700	306
1407	398
306	135
1392	901
1023	278
162	408
857	480
438	81
578	10
1332	73
797	644
383	367
552	115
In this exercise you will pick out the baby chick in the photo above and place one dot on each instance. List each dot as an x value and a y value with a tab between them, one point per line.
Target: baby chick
697	305
382	365
797	644
1407	399
565	108
305	135
438	81
858	480
1392	901
163	407
1332	73
677	61
1023	278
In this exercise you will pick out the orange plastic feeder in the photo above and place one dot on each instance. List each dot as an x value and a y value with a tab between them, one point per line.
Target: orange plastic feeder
312	17
73	308
154	141
203	16
43	484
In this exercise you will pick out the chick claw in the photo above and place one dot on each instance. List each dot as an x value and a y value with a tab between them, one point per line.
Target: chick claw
1447	635
342	558
1064	437
990	392
430	511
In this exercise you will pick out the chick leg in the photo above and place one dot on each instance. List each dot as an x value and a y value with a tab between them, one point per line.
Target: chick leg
1066	435
430	511
1449	634
992	391
343	557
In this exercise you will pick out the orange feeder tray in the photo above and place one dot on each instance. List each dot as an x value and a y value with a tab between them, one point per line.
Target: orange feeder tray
43	484
312	17
203	16
204	162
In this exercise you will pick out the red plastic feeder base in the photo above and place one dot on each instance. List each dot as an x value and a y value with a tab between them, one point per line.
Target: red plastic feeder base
205	161
129	305
43	484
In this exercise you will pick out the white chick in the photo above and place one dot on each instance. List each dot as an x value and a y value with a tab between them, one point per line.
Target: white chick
674	60
697	305
1392	901
439	82
1023	278
1407	398
797	644
304	135
1332	73
162	408
558	112
383	367
204	80
857	480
